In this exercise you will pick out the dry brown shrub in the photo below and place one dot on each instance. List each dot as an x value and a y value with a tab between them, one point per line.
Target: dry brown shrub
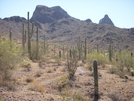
35	86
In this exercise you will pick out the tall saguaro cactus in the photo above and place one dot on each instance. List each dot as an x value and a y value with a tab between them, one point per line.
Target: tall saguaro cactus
110	50
131	59
23	37
44	43
28	29
85	48
29	35
10	36
79	47
95	78
37	44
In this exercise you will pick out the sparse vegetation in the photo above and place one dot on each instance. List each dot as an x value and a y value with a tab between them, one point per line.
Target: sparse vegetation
9	58
102	59
73	96
51	69
36	86
71	67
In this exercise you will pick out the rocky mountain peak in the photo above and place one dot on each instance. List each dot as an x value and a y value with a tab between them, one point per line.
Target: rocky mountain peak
106	20
15	18
44	14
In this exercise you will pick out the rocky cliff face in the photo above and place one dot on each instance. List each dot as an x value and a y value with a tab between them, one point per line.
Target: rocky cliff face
44	14
15	18
106	20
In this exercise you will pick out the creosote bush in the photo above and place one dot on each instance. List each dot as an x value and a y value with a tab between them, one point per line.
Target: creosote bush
71	67
9	58
125	61
102	59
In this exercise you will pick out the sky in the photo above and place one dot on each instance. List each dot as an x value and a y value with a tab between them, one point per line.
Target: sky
121	12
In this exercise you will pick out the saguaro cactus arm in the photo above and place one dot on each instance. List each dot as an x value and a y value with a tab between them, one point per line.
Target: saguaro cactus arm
95	78
32	30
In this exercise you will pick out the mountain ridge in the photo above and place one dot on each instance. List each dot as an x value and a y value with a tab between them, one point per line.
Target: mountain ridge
67	30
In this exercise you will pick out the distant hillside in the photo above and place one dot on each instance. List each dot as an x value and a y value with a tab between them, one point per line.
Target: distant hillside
59	27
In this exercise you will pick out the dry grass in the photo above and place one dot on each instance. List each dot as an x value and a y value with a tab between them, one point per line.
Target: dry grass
1	80
35	86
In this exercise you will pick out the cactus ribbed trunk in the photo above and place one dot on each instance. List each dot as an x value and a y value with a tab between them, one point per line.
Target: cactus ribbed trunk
79	48
37	44
131	59
70	53
10	36
29	36
85	48
95	78
28	33
23	37
59	54
44	44
110	51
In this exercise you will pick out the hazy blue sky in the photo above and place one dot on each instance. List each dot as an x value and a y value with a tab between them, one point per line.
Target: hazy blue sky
120	11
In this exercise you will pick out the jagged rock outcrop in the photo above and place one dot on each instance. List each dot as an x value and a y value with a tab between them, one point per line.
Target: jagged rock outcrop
44	14
106	20
88	20
15	18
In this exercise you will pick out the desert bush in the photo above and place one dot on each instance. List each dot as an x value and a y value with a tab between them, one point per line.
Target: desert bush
62	82
10	57
73	96
71	67
113	70
25	62
102	59
125	60
40	55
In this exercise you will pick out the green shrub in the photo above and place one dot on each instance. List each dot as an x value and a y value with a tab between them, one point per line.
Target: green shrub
125	61
102	59
9	57
40	52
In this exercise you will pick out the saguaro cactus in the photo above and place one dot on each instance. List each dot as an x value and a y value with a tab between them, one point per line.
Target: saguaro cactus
79	47
59	54
70	53
131	59
95	78
110	50
37	44
85	48
23	37
10	37
28	29
44	43
29	35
